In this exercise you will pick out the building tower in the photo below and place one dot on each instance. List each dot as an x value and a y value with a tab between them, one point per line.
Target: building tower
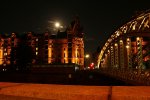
75	43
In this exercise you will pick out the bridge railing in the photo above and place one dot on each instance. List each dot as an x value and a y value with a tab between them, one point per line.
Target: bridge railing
131	76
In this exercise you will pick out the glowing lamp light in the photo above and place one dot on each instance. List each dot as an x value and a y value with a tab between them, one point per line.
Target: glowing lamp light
137	38
91	65
116	44
87	56
121	41
127	46
128	39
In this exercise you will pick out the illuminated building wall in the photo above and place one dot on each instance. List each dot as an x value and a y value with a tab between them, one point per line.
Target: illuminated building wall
46	48
58	50
1	50
7	42
1	55
78	51
50	49
32	41
68	46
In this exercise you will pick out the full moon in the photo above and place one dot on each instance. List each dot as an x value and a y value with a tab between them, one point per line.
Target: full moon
57	24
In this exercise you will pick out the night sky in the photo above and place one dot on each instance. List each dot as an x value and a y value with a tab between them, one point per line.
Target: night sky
99	18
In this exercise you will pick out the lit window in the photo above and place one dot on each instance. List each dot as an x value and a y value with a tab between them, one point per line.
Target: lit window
128	39
108	51
116	44
137	38
36	39
36	53
127	46
36	48
121	41
5	54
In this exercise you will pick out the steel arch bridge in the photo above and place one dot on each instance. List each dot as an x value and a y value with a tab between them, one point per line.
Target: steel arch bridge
128	48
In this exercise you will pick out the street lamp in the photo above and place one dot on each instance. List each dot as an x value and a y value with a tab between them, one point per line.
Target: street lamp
87	56
86	61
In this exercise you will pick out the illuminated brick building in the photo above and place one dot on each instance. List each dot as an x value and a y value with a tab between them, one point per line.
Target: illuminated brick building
62	48
66	47
6	45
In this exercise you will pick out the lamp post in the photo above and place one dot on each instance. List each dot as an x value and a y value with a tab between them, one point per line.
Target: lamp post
87	56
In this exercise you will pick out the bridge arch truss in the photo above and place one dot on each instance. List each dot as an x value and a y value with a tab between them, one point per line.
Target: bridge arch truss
129	46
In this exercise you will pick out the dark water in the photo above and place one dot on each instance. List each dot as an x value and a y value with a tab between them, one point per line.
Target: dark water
76	78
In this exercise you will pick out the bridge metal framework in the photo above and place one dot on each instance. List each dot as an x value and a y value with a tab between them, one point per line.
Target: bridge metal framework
128	47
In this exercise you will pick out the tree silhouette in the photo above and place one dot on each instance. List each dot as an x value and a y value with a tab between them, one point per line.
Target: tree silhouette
13	58
23	54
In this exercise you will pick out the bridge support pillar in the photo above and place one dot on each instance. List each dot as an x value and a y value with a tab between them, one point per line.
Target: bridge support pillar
121	53
116	55
129	52
139	53
107	58
112	56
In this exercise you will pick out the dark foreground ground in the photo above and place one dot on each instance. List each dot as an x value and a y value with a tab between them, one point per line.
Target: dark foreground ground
82	77
30	91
